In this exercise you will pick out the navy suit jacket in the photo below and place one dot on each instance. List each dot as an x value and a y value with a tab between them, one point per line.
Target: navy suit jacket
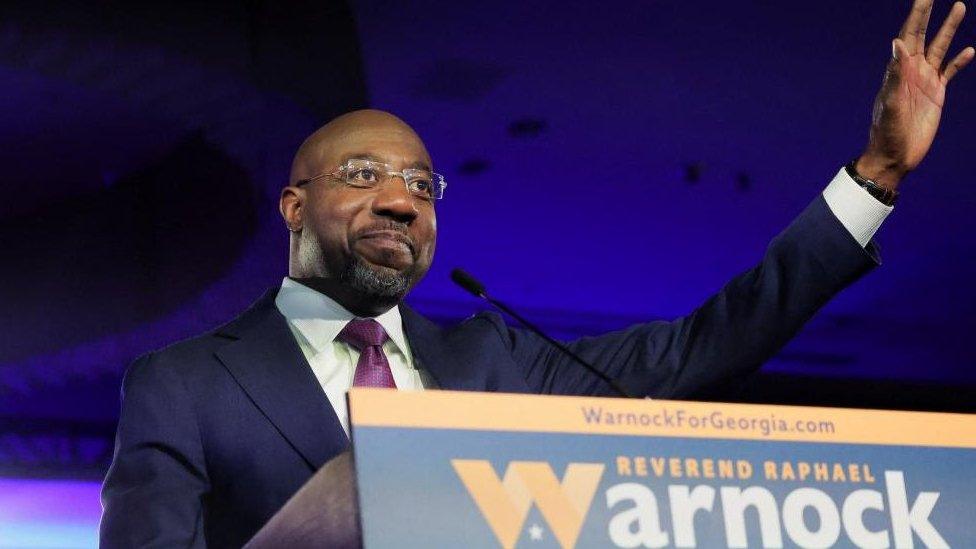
218	431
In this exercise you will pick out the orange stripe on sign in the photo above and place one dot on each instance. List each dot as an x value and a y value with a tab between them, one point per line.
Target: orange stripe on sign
612	416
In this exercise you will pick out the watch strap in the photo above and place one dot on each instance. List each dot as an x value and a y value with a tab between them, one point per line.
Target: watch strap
887	197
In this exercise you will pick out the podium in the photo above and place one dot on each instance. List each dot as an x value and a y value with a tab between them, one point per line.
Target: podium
453	469
323	513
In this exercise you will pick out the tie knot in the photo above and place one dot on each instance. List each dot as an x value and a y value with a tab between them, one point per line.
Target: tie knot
363	332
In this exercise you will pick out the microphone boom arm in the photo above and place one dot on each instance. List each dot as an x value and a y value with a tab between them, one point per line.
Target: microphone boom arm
469	283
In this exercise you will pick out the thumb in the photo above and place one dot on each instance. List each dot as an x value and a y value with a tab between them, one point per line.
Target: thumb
899	50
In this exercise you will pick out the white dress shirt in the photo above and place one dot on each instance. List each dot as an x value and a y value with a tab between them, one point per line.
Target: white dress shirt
859	212
316	320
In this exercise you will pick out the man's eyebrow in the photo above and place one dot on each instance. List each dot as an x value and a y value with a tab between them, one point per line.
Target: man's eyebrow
361	156
418	165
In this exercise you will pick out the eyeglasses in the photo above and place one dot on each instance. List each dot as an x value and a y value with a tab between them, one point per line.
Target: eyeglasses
369	174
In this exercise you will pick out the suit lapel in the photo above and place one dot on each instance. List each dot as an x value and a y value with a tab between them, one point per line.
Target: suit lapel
270	367
429	348
458	359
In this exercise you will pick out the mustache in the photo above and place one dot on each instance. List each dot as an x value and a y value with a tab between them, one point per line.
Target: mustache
394	228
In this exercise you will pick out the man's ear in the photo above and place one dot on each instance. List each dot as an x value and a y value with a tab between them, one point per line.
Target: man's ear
292	205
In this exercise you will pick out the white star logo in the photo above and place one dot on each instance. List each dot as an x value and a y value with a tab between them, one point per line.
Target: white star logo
535	532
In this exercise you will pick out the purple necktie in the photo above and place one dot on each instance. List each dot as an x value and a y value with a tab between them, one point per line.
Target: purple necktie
368	337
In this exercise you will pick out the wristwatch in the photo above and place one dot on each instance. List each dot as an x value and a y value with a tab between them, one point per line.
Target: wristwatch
887	197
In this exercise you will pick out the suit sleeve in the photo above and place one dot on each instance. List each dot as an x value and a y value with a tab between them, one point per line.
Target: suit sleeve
152	495
732	334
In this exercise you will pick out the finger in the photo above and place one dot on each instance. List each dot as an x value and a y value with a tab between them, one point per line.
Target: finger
936	51
913	31
958	63
899	50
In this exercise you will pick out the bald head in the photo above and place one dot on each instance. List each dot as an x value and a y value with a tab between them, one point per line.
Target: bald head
327	145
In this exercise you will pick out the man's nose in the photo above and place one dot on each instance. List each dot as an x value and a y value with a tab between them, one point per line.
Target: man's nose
395	201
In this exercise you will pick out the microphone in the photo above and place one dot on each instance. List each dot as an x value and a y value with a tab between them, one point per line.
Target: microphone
477	289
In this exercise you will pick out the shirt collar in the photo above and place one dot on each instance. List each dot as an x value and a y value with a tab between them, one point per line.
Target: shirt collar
319	319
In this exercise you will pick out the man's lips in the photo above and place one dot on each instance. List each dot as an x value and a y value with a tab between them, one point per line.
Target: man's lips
388	240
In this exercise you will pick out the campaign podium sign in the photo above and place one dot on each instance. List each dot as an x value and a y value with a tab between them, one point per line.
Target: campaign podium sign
458	469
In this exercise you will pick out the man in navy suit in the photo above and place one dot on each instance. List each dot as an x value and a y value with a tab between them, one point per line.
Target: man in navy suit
218	431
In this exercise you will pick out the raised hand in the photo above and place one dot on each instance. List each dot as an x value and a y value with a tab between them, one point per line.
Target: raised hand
908	107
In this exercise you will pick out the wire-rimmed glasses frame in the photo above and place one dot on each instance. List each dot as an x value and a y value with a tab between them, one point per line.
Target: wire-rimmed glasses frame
368	174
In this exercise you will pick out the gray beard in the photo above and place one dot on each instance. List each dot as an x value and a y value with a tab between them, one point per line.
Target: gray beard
379	285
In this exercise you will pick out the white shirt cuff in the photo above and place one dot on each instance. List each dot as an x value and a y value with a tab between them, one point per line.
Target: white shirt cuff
859	212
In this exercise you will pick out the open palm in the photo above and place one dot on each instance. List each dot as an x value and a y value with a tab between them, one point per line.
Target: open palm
908	108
